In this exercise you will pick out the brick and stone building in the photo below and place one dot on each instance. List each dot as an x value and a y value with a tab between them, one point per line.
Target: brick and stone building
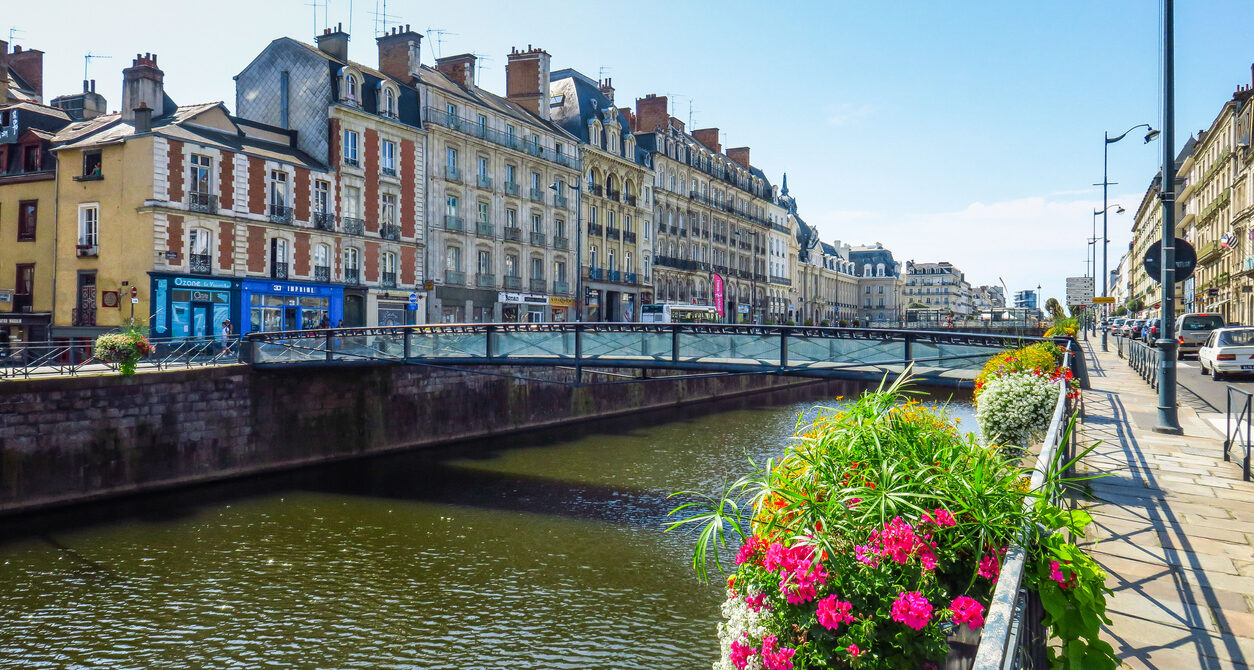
880	285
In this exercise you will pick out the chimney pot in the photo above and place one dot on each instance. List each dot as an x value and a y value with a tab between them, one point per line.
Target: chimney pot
527	79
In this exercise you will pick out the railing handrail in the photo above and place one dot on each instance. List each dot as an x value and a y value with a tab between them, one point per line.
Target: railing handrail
1232	429
1003	624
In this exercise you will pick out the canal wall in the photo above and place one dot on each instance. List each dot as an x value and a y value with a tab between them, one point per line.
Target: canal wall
74	439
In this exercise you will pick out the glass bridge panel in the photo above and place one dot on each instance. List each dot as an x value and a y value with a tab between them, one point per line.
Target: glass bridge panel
729	348
291	350
836	352
950	356
533	344
436	344
629	345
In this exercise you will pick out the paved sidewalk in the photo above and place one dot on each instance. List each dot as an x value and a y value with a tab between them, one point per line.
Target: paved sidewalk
1173	528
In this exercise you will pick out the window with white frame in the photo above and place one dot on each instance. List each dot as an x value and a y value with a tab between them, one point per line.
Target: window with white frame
199	242
322	196
352	260
351	87
453	259
389	263
88	226
198	184
389	208
389	102
592	257
559	271
322	256
350	147
537	223
389	157
537	267
278	192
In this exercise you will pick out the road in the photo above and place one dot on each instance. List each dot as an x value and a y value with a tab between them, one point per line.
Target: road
1203	393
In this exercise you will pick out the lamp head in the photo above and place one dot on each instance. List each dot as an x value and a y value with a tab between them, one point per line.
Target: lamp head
1150	135
553	186
1120	210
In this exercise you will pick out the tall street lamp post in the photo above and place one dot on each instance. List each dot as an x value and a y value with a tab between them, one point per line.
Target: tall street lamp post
578	189
1106	241
1149	135
1168	422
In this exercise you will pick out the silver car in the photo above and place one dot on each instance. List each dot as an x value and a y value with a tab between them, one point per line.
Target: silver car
1193	329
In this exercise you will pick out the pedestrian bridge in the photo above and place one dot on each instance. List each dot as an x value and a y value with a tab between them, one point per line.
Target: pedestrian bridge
948	358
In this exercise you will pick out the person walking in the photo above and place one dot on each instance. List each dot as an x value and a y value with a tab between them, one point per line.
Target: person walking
226	334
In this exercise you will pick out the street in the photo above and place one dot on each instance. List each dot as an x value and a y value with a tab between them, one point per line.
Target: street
1201	392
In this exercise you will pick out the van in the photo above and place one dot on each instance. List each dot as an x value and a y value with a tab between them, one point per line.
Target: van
1193	329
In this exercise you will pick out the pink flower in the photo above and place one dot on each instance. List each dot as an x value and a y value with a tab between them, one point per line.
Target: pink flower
940	517
897	540
854	651
773	658
832	612
802	585
989	567
912	609
866	554
967	610
740	654
758	603
751	546
853	502
927	557
1056	574
776	555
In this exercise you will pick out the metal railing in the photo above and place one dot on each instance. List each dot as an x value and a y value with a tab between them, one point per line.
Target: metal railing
324	221
390	231
33	360
1014	636
280	214
1237	418
1143	358
354	226
199	264
205	203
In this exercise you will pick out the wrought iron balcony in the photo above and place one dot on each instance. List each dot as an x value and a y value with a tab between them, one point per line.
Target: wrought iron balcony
454	278
485	229
352	161
538	239
389	171
388	280
280	214
539	285
322	273
484	181
455	223
86	249
616	196
441	117
324	221
485	280
390	231
511	188
452	173
629	238
83	316
560	200
613	233
780	280
596	273
616	275
513	282
561	287
630	278
206	203
200	264
595	229
278	270
352	276
354	226
630	199
513	233
537	194
561	243
596	189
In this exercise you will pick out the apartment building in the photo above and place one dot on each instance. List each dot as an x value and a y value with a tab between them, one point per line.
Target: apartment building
880	284
937	286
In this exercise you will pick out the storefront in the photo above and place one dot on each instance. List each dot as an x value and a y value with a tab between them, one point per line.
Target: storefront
17	328
192	307
454	304
286	305
561	309
523	307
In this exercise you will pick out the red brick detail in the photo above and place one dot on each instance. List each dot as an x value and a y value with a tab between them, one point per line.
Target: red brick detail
302	189
651	113
226	245
333	146
339	258
301	255
371	261
174	227
740	155
257	249
709	138
174	162
226	167
371	196
409	265
256	186
409	191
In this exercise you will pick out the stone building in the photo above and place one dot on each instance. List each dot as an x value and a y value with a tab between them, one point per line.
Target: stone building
937	286
880	284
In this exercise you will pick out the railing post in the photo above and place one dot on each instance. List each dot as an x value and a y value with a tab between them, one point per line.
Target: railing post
1228	423
578	353
1248	415
329	344
488	335
675	343
405	333
783	348
908	349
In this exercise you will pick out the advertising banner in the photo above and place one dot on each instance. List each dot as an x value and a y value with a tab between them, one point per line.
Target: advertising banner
717	282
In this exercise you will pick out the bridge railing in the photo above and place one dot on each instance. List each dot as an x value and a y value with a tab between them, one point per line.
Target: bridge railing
29	360
797	349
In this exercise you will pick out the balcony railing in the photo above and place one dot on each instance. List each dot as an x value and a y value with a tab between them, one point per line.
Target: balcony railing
537	194
513	233
352	161
354	226
595	229
83	316
322	273
206	203
86	250
441	117
781	281
596	189
596	273
352	276
454	277
629	238
513	282
485	229
389	171
280	213
324	221
454	223
200	264
538	239
560	200
561	243
616	275
485	280
484	181
616	196
511	188
390	231
613	233
630	278
278	270
452	173
560	286
686	264
630	199
388	280
539	285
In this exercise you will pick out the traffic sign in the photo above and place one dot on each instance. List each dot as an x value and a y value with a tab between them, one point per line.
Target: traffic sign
413	298
1104	300
1186	260
1079	290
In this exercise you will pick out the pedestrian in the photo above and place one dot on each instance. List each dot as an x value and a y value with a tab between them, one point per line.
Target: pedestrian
226	334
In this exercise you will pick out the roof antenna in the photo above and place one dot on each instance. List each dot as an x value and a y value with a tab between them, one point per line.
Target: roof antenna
13	33
382	19
480	59
316	4
87	59
435	39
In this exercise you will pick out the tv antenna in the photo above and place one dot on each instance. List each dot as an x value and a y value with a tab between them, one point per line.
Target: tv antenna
435	38
381	17
13	33
480	59
316	4
87	59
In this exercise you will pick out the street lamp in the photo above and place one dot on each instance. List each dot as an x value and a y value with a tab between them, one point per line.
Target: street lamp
578	189
1150	134
1118	210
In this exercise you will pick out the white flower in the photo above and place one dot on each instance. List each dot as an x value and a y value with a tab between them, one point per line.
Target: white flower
1016	408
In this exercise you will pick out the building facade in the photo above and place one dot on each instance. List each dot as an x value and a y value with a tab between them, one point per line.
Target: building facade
880	285
937	286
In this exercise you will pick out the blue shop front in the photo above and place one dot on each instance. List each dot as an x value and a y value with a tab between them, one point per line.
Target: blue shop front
186	306
271	305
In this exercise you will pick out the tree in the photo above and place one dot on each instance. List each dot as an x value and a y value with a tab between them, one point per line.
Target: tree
1054	308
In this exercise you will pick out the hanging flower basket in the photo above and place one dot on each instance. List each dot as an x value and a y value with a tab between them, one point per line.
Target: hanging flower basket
126	349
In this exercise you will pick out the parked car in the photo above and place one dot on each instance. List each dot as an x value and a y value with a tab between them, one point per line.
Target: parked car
1116	326
1227	351
1149	330
1193	329
1132	327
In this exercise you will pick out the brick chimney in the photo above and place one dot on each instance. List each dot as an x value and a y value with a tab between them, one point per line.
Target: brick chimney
334	43
607	89
651	113
29	65
143	85
527	79
4	72
708	137
400	53
81	106
459	68
740	155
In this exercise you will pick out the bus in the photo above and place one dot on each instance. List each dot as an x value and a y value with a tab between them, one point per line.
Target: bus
666	313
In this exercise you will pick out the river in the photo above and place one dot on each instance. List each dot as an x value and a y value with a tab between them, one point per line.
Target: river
540	551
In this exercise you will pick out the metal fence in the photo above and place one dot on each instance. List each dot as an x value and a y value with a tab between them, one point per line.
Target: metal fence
1013	635
1237	419
1142	357
32	360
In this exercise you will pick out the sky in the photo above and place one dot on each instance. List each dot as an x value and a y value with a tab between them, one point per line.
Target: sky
965	131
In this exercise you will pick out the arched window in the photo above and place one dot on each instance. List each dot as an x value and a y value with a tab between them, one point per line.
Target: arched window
389	102
322	263
592	180
866	270
350	87
592	257
613	261
627	266
879	270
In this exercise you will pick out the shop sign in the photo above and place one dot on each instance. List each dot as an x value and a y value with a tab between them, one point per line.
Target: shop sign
6	295
743	309
190	282
555	301
521	298
287	288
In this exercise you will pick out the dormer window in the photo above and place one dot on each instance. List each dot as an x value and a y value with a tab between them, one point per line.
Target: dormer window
350	88
389	103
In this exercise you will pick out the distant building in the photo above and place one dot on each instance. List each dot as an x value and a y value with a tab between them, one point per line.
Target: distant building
937	286
1026	299
986	298
880	284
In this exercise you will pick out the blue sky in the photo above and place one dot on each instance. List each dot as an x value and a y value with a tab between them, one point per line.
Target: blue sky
961	131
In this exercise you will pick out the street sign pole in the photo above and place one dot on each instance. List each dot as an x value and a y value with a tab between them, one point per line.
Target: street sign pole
1168	421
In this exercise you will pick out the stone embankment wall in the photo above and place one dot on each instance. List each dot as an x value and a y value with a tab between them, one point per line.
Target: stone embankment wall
73	439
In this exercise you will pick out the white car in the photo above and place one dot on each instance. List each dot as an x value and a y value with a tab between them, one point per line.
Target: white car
1227	351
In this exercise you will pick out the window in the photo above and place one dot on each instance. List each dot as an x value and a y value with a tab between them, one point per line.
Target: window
511	265
627	266
511	134
278	191
350	88
30	158
535	182
483	167
559	271
350	147
322	256
592	257
389	209
352	260
88	226
609	218
509	174
352	201
483	125
559	228
199	241
198	175
25	284
451	110
389	263
389	157
627	223
322	196
27	213
451	205
511	218
485	262
92	163
592	214
389	102
450	159
483	211
537	223
646	268
537	267
453	259
592	182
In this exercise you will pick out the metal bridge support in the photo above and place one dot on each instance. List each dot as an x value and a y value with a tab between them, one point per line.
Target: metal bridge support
329	345
783	348
578	353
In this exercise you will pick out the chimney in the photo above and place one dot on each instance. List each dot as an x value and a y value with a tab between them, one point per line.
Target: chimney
82	106
4	72
651	113
334	43
677	124
607	89
740	155
527	79
400	55
709	138
142	85
29	65
460	68
143	119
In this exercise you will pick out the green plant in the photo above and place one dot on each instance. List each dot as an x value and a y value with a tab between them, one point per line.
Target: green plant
126	349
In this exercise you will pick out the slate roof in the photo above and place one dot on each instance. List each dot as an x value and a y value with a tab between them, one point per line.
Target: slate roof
583	101
874	255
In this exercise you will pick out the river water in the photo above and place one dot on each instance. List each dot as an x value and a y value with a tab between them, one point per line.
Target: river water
541	551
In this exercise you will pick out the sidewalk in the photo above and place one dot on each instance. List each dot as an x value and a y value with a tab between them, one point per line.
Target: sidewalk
1173	528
